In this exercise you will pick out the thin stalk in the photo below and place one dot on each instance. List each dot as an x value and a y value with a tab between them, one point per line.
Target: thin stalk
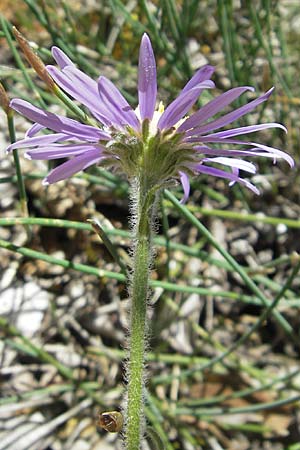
20	180
205	413
102	273
245	217
84	268
217	399
225	27
6	27
263	44
245	277
27	347
142	202
263	317
158	240
171	287
38	351
107	242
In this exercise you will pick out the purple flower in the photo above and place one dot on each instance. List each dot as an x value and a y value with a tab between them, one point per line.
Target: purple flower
152	145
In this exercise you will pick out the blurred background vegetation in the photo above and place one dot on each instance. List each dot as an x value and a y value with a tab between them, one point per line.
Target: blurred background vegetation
200	394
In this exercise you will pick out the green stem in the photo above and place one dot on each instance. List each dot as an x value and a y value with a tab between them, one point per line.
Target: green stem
143	202
20	180
245	277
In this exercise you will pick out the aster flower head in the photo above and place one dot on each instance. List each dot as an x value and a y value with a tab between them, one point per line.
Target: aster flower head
148	144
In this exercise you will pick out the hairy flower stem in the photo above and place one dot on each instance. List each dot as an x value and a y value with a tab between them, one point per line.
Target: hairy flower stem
144	204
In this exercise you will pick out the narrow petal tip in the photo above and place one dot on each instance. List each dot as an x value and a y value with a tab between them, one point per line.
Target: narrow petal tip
60	57
209	84
184	179
147	84
27	155
282	127
50	68
145	38
12	102
207	70
45	182
267	94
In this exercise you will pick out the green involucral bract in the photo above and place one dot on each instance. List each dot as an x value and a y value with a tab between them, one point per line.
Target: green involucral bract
156	159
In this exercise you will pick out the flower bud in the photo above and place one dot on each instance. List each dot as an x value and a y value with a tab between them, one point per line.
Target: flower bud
33	59
4	99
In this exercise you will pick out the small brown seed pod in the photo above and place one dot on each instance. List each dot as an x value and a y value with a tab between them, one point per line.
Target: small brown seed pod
33	59
111	421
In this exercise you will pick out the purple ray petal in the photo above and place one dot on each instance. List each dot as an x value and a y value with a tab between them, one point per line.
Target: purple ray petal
184	179
235	171
277	153
274	151
58	123
201	75
116	103
225	152
72	166
233	115
213	107
201	148
33	130
90	86
181	105
38	140
246	130
63	79
82	88
233	163
60	151
61	58
200	168
85	79
147	84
